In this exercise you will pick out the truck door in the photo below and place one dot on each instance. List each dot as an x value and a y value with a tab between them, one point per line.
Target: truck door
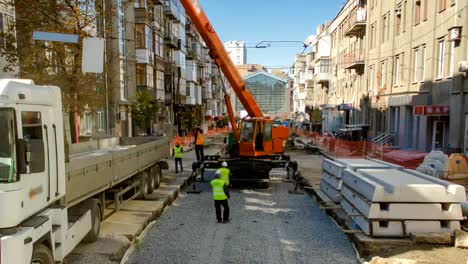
35	127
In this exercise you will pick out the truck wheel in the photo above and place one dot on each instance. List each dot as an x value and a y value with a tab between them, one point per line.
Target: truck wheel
145	185
151	182
42	255
93	235
156	174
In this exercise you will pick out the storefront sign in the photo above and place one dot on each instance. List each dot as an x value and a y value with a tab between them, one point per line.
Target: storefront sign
345	107
431	110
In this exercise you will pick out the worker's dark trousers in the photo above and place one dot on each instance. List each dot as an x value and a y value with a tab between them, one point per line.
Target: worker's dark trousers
199	152
178	161
225	205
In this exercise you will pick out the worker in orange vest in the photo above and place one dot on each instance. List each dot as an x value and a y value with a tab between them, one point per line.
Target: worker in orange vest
199	142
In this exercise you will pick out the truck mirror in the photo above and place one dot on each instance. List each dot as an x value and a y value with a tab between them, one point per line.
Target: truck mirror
22	159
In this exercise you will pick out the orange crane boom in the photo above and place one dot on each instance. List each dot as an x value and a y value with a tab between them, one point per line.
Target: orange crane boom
221	57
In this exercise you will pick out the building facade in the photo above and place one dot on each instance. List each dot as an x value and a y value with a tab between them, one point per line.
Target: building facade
269	91
237	52
7	23
400	67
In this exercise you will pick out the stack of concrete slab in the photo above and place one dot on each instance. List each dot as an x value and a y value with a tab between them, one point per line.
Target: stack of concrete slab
331	182
396	202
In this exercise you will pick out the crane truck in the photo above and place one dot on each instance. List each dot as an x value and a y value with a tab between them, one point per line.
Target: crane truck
258	143
50	203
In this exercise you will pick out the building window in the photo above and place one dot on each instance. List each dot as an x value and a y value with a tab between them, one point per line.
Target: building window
397	69
423	77
416	65
383	75
442	5
452	59
398	21
424	9
140	36
417	12
372	36
384	28
88	123
101	118
141	74
371	78
440	58
6	27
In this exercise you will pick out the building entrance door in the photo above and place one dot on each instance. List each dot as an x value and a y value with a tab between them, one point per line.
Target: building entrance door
438	135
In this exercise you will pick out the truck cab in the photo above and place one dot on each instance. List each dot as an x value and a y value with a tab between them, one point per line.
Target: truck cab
32	169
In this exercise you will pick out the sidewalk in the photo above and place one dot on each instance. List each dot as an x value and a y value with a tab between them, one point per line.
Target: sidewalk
120	229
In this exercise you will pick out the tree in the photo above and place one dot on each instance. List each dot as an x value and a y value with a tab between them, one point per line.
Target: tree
144	110
55	63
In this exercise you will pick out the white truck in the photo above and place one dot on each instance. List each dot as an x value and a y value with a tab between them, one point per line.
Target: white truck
49	205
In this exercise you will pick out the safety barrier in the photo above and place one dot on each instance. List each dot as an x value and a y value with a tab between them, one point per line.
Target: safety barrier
187	140
337	148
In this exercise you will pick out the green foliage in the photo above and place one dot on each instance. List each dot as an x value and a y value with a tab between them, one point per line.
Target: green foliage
144	110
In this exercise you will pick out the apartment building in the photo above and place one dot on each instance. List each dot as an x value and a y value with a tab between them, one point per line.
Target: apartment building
7	18
347	90
413	77
237	51
299	88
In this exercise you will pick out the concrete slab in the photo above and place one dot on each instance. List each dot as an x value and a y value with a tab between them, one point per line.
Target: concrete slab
128	230
112	246
126	217
432	238
334	168
392	185
402	211
337	167
332	180
332	193
397	228
152	207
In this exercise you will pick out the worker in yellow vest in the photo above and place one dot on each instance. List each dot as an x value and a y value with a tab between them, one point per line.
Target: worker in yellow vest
199	142
225	172
220	197
177	154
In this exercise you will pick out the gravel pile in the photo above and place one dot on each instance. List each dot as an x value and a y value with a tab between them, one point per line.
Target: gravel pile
267	226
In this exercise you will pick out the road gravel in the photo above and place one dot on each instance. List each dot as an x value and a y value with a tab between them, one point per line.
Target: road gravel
267	226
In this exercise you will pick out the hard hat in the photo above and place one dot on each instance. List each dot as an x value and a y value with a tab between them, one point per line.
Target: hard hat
224	164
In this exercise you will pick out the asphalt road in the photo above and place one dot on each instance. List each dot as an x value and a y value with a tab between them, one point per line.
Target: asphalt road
267	226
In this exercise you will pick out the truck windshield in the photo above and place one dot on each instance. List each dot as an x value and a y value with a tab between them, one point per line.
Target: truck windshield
7	146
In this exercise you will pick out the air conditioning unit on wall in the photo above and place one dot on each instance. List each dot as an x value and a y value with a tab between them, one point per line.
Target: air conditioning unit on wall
463	66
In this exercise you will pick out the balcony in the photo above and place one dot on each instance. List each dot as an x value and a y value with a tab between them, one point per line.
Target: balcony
354	60
322	77
357	21
191	53
190	30
190	100
169	67
171	41
144	56
143	14
171	10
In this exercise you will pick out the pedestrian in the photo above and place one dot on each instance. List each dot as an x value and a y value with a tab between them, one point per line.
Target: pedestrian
177	154
199	142
224	172
220	197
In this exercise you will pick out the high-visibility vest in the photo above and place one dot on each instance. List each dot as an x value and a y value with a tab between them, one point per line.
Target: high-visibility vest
178	152
224	174
218	189
200	140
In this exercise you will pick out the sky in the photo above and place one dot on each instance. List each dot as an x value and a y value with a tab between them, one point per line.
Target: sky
254	21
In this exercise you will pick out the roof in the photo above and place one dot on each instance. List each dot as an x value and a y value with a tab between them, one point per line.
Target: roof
265	73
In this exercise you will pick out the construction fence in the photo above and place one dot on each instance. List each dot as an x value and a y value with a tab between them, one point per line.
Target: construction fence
187	140
337	148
